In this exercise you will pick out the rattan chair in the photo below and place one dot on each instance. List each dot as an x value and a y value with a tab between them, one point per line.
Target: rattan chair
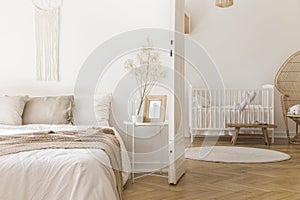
287	81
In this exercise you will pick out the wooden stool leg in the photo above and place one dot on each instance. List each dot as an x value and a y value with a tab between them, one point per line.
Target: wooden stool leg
266	136
235	135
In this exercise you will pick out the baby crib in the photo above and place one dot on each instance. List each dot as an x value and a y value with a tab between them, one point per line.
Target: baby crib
210	110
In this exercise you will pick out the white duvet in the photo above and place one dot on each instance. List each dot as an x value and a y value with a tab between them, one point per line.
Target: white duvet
58	174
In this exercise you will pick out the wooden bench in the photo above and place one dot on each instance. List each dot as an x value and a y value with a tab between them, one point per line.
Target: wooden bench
263	127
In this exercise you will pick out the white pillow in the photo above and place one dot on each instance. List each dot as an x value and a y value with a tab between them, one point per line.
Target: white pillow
102	103
294	110
92	110
11	110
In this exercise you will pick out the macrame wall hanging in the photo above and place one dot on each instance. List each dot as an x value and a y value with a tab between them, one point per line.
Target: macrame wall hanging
47	39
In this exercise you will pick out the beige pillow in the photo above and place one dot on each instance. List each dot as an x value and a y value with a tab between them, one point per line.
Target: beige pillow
48	110
11	110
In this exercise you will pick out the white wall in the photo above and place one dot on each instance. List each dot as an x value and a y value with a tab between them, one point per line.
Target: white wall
85	24
249	41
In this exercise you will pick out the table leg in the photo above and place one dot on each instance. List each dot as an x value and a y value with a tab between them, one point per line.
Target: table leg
266	136
132	153
235	135
160	147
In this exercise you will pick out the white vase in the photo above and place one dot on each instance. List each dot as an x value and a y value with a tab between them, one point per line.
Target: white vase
135	108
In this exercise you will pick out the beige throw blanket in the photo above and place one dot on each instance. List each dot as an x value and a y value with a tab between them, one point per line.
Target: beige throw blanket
93	138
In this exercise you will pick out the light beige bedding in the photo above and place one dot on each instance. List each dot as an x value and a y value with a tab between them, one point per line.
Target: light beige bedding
57	174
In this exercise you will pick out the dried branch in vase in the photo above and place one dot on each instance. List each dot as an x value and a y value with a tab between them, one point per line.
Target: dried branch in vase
147	70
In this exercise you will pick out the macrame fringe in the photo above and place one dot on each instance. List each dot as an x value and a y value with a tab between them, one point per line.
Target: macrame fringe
47	44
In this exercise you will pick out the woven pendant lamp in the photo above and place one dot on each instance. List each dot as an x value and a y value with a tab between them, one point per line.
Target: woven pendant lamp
224	3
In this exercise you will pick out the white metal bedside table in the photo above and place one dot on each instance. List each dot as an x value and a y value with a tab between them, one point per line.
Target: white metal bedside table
133	126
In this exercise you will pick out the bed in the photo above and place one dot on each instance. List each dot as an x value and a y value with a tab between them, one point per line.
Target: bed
58	172
210	110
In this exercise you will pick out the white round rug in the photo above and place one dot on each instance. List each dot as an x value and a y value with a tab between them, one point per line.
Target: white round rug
229	154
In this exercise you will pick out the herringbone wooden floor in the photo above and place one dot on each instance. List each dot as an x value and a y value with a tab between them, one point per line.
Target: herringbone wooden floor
207	180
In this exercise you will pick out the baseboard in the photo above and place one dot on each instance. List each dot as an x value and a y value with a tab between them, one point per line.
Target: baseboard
280	134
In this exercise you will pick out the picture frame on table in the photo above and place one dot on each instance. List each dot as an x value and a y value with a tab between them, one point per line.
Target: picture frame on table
155	108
